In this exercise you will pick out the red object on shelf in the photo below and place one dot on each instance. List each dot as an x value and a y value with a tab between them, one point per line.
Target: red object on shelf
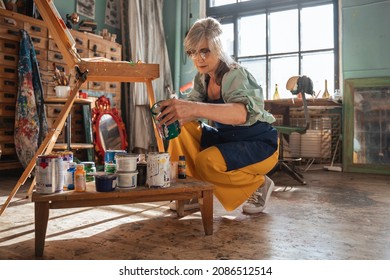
83	94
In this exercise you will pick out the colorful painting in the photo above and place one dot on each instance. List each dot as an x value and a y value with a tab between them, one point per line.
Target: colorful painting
30	117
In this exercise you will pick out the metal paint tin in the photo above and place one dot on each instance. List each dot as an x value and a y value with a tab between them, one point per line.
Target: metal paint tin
49	174
166	132
109	155
158	170
67	156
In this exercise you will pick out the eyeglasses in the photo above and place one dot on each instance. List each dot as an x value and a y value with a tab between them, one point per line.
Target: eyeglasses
204	53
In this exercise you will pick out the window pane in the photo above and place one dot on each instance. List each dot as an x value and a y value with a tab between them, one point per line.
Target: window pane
281	69
252	35
228	38
319	67
284	31
215	3
317	27
257	69
297	41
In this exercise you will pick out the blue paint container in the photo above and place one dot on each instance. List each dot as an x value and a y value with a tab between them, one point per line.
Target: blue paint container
109	156
104	182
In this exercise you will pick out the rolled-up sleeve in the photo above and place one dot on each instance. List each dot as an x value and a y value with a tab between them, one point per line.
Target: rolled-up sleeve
239	86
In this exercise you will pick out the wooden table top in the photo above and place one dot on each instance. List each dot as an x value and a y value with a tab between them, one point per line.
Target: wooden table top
180	186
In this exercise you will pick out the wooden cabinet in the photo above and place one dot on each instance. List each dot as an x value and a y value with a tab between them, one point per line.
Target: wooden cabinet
49	58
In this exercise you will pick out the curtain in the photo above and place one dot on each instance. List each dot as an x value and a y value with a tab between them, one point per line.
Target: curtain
143	39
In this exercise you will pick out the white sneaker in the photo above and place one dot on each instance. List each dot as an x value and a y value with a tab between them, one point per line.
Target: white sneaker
257	202
188	205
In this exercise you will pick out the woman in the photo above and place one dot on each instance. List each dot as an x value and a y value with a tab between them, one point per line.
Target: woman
242	147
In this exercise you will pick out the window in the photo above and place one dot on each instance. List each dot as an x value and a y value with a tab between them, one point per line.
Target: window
279	39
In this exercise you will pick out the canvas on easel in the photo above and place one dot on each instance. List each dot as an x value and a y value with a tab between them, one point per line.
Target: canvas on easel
93	69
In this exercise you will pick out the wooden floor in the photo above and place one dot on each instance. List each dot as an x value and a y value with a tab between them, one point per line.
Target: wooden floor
335	216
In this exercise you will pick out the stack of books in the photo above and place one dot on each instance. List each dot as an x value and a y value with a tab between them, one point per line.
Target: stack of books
87	26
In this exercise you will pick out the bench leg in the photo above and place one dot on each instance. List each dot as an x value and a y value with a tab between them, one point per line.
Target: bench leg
41	219
206	209
180	208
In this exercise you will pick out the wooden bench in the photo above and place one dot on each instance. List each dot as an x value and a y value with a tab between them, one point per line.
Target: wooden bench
180	191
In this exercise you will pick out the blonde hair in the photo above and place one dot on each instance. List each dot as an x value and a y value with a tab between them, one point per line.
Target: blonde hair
210	30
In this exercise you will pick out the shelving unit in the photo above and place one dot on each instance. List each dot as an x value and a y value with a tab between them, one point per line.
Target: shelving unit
48	54
68	144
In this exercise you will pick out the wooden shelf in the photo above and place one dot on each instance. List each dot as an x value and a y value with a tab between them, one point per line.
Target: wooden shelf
73	146
10	164
54	100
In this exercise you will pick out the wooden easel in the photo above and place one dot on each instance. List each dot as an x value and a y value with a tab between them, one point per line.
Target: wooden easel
94	70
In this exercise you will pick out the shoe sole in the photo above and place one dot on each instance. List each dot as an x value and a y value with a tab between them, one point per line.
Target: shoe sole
255	210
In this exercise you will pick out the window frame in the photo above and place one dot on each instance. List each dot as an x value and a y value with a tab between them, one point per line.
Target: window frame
231	12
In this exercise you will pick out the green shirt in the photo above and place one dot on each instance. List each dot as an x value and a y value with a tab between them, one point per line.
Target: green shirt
238	86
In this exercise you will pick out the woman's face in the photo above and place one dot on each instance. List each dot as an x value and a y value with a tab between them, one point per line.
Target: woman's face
205	60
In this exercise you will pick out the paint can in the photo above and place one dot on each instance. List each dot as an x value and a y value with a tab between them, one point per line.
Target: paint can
67	158
110	160
49	174
126	180
166	132
109	155
104	182
89	167
126	162
158	170
110	168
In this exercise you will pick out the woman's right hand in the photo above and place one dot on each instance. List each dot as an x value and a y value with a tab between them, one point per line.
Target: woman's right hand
176	109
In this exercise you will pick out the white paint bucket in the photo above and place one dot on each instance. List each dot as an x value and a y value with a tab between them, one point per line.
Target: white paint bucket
126	162
49	174
126	180
158	170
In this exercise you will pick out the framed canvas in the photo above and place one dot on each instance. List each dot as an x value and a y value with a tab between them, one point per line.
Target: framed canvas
86	8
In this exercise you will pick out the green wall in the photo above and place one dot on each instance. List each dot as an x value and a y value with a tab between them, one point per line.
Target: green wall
69	6
178	18
365	38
